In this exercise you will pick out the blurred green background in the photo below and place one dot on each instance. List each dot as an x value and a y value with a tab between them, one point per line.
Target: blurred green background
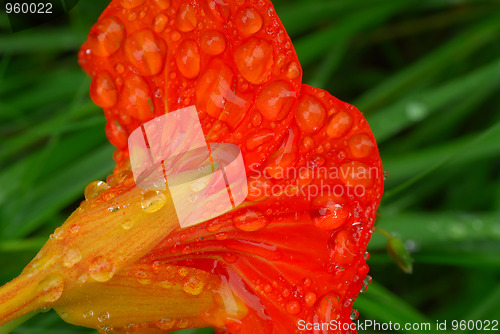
425	73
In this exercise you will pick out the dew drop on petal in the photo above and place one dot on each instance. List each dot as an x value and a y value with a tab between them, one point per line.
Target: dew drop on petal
103	90
248	21
310	114
101	270
250	220
275	100
51	288
257	139
144	51
328	212
106	36
71	257
254	59
186	18
293	70
116	134
162	4
310	299
137	97
143	277
293	307
360	145
219	9
127	224
95	188
213	88
213	42
339	124
166	323
103	317
354	314
88	314
153	201
188	59
160	22
193	286
183	323
182	271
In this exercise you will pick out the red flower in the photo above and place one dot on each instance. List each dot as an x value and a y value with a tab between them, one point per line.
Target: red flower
294	250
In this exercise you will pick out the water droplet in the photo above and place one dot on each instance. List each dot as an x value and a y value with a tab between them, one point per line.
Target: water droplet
250	220
254	59
160	22
213	88
131	3
258	139
354	314
343	248
116	134
106	36
183	323
162	4
175	36
219	9
214	225
256	118
145	52
293	307
127	224
193	286
153	201
83	278
101	270
137	96
58	234
166	323
51	288
329	212
88	314
186	18
248	21
339	124
275	100
183	271
366	256
72	257
188	59
310	114
103	90
213	42
386	175
119	68
143	277
310	299
221	236
368	279
95	188
360	145
293	70
307	144
103	317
